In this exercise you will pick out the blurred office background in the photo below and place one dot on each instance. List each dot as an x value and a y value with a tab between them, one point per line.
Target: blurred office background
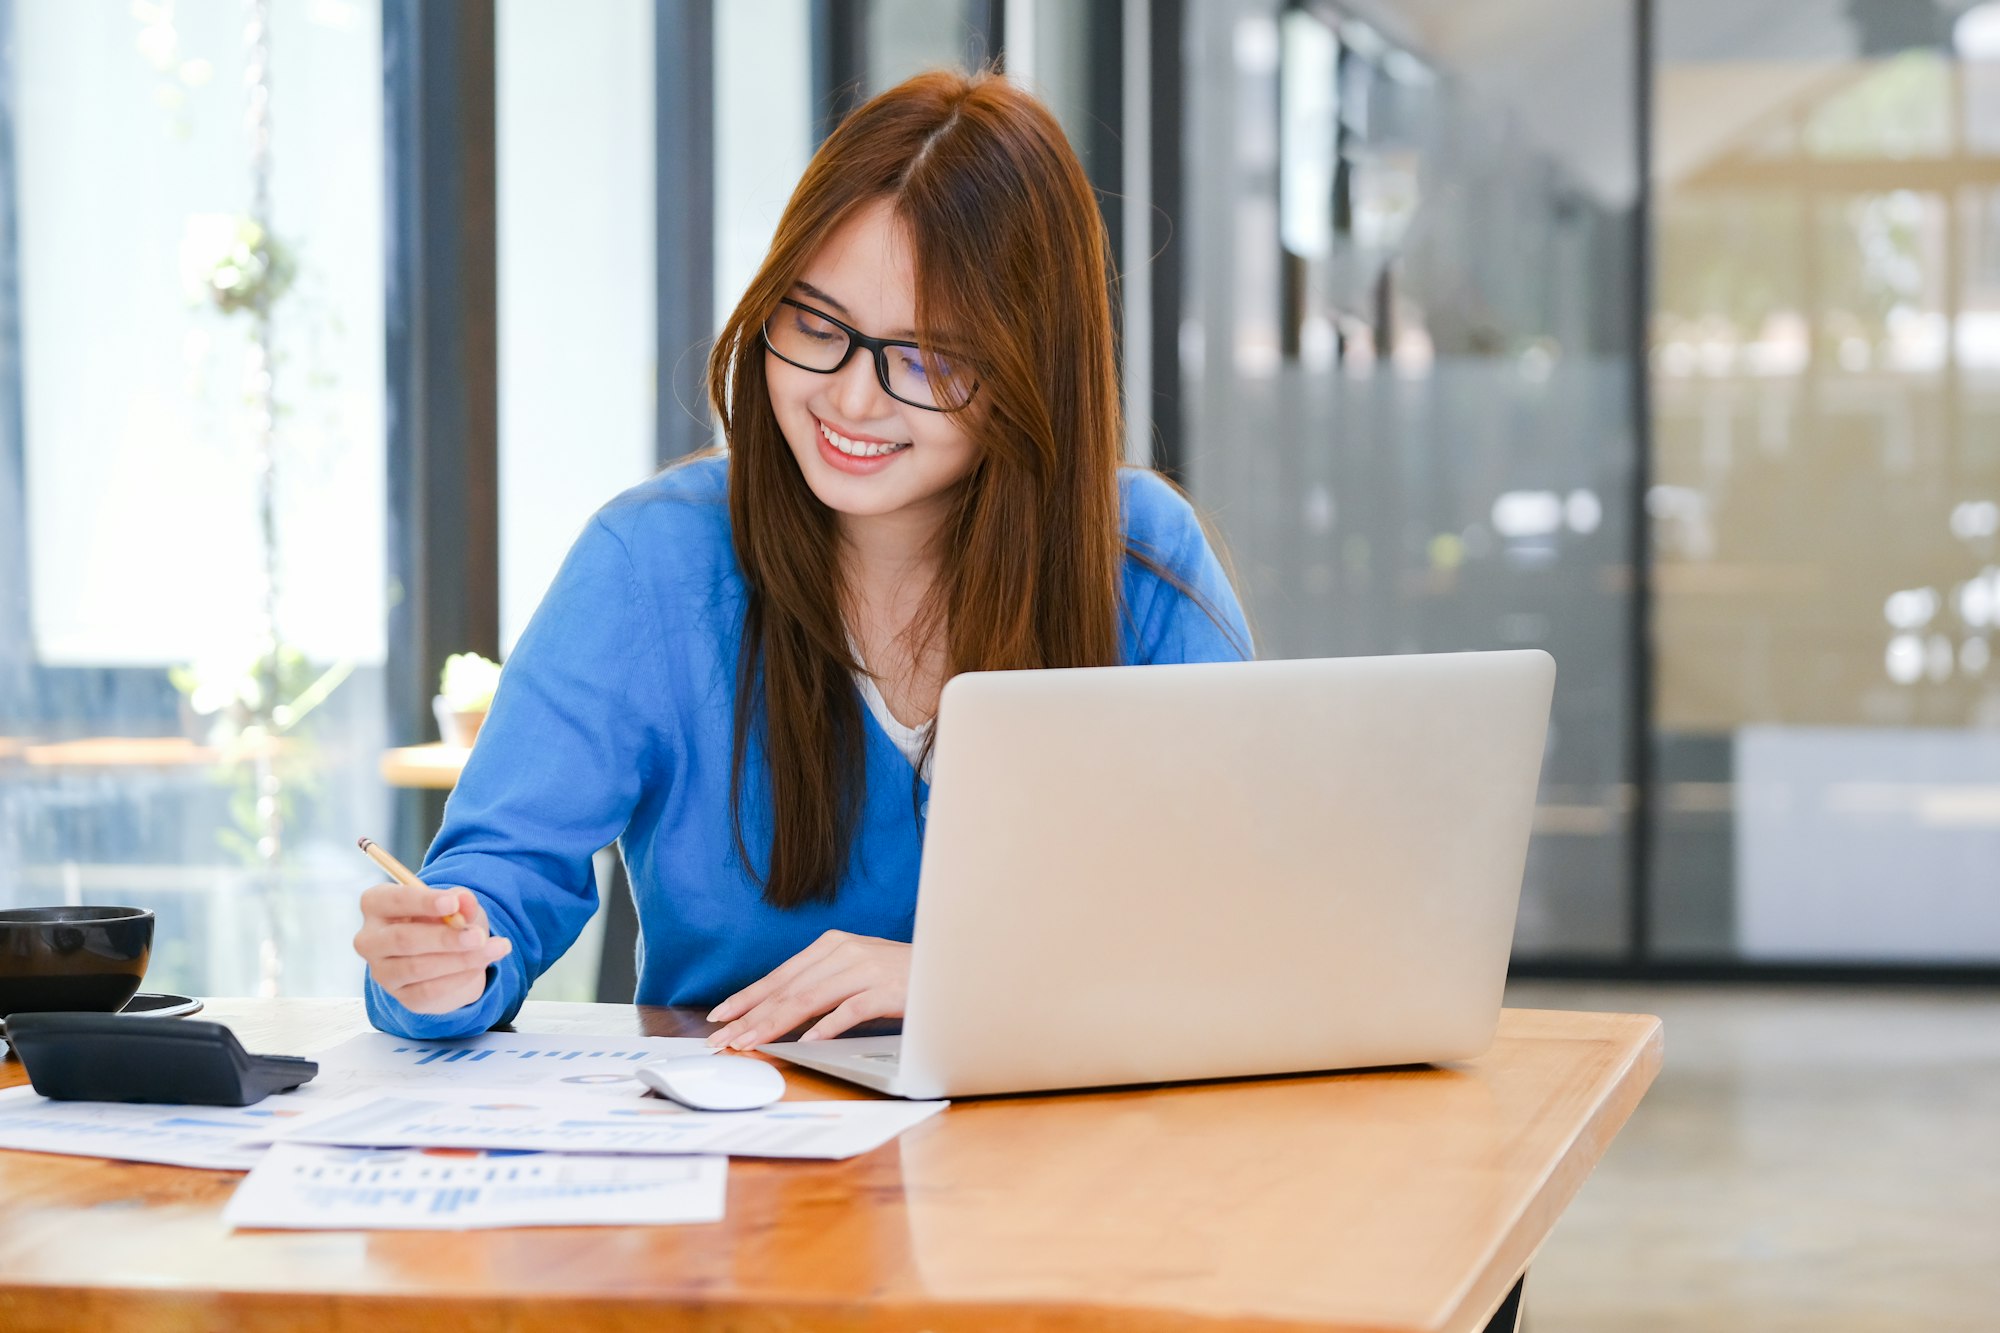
1664	336
1661	334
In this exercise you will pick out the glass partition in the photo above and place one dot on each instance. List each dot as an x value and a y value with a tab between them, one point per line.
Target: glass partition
1826	506
1407	361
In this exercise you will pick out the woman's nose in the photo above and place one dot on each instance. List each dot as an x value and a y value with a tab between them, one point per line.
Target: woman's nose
857	393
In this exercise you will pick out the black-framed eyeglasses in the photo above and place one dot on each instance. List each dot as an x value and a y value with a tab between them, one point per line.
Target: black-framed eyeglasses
814	340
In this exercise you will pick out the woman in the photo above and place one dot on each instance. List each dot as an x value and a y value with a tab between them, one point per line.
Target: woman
735	670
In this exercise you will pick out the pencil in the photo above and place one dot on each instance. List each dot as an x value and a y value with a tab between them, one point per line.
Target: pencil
399	872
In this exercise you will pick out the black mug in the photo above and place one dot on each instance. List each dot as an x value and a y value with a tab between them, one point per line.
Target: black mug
72	958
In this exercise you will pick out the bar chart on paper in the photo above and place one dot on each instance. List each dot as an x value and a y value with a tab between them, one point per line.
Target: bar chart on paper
563	1121
217	1137
300	1186
496	1060
420	1056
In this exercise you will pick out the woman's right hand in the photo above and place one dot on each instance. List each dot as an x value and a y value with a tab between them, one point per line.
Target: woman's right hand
429	967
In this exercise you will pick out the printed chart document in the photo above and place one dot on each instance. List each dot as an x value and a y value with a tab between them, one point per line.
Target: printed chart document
501	1118
231	1138
201	1136
594	1066
303	1187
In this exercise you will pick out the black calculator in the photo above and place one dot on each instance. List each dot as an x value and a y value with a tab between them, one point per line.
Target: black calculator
175	1061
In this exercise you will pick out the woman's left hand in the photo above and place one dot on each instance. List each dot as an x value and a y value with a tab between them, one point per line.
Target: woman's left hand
847	978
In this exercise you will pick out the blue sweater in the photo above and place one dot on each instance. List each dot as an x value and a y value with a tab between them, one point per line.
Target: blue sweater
613	721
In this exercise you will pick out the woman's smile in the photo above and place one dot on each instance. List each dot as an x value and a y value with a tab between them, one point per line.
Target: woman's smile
856	454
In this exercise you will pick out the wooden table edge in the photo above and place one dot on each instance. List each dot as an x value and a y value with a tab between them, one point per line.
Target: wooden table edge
433	766
29	1308
1511	1255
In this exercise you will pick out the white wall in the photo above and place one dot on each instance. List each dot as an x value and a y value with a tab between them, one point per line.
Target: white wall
763	132
574	122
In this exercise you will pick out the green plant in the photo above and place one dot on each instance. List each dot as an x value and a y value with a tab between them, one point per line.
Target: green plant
468	681
245	707
246	269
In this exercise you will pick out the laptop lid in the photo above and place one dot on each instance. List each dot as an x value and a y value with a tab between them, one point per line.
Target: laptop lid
1147	874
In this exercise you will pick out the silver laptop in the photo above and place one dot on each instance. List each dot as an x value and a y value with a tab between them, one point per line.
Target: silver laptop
1150	874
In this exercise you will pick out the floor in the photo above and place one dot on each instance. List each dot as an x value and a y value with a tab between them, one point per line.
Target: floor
1823	1159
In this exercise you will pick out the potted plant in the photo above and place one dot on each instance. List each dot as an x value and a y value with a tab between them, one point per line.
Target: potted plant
465	692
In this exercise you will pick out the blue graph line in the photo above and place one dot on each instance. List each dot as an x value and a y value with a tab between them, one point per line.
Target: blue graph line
430	1055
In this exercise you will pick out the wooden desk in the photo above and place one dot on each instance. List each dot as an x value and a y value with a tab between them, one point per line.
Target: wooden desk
1403	1200
131	752
434	767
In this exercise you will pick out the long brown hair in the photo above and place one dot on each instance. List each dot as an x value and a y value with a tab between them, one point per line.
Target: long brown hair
1012	274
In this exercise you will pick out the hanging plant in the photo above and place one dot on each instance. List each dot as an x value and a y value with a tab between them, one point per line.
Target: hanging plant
251	273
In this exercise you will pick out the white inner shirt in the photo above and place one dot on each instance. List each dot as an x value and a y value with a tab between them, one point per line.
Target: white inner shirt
910	740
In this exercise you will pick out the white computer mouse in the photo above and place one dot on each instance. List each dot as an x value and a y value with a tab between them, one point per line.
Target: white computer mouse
714	1082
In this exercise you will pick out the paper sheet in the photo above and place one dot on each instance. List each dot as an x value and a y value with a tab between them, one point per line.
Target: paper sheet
417	1116
298	1186
199	1136
522	1069
225	1138
597	1066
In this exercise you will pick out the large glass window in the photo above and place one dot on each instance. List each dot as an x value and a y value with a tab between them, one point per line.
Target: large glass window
1826	506
1407	360
191	706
